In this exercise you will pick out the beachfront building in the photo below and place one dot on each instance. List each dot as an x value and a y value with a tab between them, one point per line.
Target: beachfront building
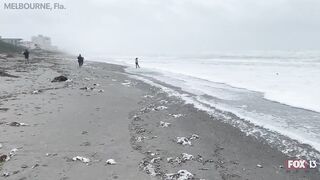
12	41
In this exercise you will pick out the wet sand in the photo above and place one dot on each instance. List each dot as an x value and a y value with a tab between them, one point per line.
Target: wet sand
103	114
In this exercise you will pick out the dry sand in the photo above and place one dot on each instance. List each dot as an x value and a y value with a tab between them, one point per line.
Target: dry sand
103	114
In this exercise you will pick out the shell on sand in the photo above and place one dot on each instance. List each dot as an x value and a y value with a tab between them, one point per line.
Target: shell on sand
183	141
111	162
82	159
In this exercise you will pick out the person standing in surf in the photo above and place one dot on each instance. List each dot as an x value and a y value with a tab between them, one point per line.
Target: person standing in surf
26	56
137	63
80	60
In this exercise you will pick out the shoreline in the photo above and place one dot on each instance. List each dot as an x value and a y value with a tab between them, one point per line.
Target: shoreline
300	125
296	145
221	127
87	122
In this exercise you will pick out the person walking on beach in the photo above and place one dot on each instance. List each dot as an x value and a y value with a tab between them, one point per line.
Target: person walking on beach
80	60
137	63
26	56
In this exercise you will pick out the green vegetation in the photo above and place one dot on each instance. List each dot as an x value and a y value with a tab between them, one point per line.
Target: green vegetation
8	48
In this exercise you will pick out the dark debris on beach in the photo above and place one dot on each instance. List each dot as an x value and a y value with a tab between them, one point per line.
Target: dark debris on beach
4	74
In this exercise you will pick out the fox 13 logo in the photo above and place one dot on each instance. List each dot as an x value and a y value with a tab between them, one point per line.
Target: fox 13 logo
296	164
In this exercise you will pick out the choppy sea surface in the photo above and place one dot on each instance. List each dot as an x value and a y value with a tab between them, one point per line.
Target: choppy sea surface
270	95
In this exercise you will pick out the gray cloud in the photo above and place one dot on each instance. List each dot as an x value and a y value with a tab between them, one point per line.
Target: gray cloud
171	26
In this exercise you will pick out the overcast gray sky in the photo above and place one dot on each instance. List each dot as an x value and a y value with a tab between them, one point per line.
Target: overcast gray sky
170	26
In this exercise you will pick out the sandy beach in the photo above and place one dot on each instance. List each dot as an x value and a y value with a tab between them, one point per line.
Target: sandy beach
75	129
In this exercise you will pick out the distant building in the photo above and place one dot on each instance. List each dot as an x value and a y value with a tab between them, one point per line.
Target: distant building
42	42
37	42
13	41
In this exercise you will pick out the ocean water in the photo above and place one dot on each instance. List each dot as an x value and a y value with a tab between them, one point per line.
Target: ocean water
270	95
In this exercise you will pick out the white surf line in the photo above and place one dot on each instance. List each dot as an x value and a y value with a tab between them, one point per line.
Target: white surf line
243	126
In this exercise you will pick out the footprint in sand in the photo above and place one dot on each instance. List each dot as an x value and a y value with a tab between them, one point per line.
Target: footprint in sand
4	109
85	144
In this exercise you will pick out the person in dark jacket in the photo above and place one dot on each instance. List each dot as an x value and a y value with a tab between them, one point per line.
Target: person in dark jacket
80	60
26	56
137	63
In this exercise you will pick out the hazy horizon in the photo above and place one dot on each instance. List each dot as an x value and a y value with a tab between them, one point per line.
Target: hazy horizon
129	27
